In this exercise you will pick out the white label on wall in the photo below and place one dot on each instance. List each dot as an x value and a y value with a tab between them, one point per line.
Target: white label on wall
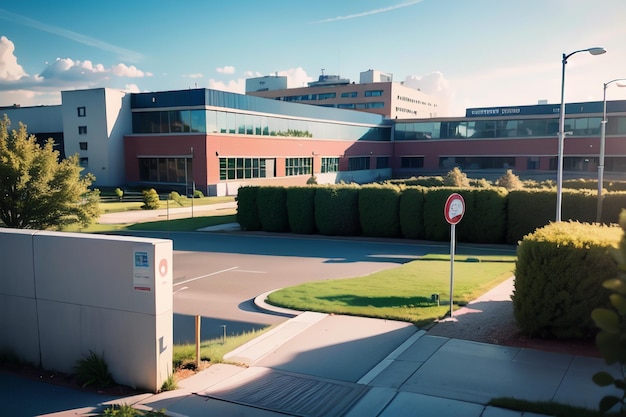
142	272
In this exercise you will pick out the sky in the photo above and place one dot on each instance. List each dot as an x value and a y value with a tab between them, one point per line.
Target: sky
482	53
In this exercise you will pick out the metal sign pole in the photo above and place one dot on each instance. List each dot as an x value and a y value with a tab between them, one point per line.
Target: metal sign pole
452	240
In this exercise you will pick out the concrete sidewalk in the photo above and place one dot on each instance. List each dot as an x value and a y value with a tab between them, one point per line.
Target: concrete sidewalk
322	365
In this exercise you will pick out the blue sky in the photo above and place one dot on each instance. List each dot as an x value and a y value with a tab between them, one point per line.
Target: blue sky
471	53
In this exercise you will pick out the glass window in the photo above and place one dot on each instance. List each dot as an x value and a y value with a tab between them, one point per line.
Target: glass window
82	130
358	163
373	93
350	94
407	162
330	165
82	112
84	162
82	146
211	121
298	166
238	168
198	121
375	105
325	96
382	162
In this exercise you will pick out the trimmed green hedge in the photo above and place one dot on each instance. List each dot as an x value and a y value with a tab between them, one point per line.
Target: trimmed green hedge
558	278
492	215
272	206
379	213
247	209
301	209
337	210
411	212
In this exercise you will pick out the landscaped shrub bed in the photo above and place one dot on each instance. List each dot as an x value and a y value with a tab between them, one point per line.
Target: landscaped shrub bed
492	214
558	278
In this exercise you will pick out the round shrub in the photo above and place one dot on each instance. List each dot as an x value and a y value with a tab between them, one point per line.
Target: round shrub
558	278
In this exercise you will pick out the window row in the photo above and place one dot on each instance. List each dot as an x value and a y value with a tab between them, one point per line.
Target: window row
211	121
166	170
361	106
174	121
415	101
241	168
583	126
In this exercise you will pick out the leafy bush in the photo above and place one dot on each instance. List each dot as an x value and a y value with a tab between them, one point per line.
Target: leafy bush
93	370
169	384
485	219
119	193
378	210
337	210
510	181
558	278
456	178
174	196
125	410
247	208
301	209
312	180
611	339
411	212
435	225
528	210
150	199
197	194
272	207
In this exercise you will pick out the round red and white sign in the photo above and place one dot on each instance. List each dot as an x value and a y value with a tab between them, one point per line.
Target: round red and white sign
163	267
454	209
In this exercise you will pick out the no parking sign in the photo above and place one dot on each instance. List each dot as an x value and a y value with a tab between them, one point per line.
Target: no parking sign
453	211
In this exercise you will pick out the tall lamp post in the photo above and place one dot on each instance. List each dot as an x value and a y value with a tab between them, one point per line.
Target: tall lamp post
602	147
559	175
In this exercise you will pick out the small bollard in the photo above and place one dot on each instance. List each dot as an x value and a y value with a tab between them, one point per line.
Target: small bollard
435	298
198	341
224	334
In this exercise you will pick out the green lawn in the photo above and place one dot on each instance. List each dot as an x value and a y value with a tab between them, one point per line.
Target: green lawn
402	293
111	206
212	350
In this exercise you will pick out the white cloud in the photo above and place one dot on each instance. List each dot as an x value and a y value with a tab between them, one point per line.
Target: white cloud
226	69
122	70
21	88
9	68
370	12
196	75
131	88
296	77
252	74
434	84
233	86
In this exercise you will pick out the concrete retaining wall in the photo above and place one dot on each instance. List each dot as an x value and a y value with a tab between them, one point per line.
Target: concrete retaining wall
64	295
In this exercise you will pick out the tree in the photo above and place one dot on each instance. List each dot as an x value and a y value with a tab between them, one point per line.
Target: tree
510	181
37	191
456	178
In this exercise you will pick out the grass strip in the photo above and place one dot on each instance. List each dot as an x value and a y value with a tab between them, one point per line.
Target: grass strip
212	350
547	408
403	293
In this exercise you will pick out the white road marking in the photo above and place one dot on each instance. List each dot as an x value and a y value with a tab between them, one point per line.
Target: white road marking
204	276
182	289
251	272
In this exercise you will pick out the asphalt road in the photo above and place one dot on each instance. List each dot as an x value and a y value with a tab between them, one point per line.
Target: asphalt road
217	275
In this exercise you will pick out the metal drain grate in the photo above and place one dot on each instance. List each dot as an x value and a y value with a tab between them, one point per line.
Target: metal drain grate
292	394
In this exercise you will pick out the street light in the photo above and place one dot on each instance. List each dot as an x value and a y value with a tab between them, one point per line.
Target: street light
559	175
602	145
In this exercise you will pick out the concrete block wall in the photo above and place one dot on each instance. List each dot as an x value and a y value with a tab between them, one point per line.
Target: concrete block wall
64	295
